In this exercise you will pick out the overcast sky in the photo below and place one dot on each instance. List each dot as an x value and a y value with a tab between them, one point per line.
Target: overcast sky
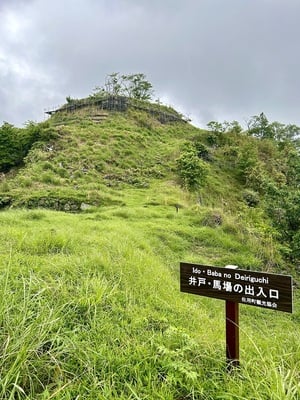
210	59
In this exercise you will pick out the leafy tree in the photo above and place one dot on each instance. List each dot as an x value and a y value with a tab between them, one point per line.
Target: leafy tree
15	143
32	133
218	131
225	127
278	131
259	126
233	127
292	132
216	127
10	148
285	133
135	86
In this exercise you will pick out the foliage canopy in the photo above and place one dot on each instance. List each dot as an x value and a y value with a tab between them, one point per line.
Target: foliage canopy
135	86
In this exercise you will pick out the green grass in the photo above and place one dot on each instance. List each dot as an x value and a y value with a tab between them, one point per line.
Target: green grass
117	153
91	308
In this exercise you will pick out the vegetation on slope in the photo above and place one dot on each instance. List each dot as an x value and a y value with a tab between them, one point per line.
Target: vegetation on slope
72	163
90	302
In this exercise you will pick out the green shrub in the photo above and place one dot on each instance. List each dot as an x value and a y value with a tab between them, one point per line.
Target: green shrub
247	160
192	171
202	151
5	200
251	198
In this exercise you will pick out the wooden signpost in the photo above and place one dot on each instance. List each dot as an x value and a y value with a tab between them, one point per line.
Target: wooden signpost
260	289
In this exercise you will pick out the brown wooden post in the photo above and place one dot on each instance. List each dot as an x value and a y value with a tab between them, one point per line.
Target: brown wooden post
232	335
232	331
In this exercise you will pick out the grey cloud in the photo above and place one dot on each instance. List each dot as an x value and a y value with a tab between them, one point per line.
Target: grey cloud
212	58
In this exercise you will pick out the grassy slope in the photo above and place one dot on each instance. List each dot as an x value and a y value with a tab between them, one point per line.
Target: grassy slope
88	157
90	303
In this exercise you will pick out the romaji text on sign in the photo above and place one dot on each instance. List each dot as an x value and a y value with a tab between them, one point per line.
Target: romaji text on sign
253	288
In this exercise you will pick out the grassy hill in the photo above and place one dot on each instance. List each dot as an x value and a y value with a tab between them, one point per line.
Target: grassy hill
90	302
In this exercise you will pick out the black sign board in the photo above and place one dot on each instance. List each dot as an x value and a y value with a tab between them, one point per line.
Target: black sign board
259	289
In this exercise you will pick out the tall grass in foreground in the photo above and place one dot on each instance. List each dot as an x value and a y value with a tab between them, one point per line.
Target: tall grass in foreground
90	308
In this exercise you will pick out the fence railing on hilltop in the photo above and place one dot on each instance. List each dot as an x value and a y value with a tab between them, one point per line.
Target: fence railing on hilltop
118	103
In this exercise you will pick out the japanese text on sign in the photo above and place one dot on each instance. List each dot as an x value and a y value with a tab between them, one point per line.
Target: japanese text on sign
242	286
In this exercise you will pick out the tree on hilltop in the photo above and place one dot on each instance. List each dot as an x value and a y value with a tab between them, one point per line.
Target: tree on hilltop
260	127
135	86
